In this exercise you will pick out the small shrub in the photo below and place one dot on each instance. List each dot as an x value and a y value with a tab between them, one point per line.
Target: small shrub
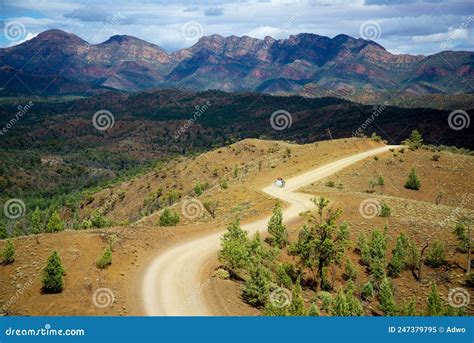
376	158
3	232
386	299
385	210
435	257
198	189
330	184
435	157
8	253
350	271
412	182
106	259
367	291
169	218
222	274
313	310
326	301
55	224
211	207
224	183
380	180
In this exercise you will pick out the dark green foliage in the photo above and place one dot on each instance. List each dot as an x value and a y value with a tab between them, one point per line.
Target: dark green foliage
462	236
435	256
198	189
399	253
36	221
470	279
367	291
350	271
8	253
282	277
55	224
415	140
386	298
435	303
296	307
276	228
257	287
98	220
413	182
169	218
3	232
106	259
234	254
53	275
385	210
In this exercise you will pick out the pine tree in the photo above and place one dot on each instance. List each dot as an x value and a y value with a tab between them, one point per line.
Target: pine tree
350	271
234	254
415	140
386	298
462	236
36	221
276	228
106	259
435	257
313	311
435	303
367	291
8	253
297	303
283	279
340	306
257	288
53	275
55	224
408	308
397	263
354	306
413	182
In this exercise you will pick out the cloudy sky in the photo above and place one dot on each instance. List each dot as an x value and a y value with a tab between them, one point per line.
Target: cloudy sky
402	26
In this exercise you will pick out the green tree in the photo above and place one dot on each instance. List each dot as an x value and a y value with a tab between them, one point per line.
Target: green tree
435	303
257	287
408	308
321	243
415	140
55	224
296	307
386	298
282	277
8	253
313	311
326	301
435	256
367	291
53	275
3	232
36	221
106	258
350	271
462	236
234	254
413	182
169	218
397	263
276	228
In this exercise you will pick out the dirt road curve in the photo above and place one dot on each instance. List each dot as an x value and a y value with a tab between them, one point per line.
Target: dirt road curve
171	282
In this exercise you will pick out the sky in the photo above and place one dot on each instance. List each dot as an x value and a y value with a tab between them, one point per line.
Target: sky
401	26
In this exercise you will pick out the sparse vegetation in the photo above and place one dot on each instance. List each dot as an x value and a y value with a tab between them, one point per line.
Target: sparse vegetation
169	218
385	210
106	259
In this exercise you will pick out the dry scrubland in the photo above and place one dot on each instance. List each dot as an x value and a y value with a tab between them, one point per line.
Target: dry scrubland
246	166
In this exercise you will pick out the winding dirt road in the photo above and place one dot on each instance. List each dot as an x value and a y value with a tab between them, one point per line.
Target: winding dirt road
171	282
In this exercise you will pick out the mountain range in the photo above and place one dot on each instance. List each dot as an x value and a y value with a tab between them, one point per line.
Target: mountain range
58	63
